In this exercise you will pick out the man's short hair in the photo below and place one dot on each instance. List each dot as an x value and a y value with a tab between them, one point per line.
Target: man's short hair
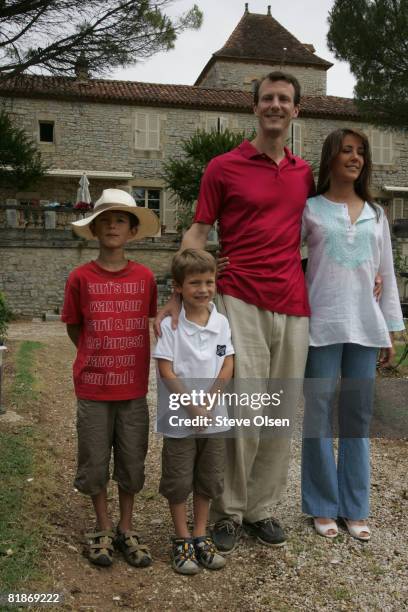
277	75
191	261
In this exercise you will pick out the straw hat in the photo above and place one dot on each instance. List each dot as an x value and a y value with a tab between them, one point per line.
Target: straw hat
117	199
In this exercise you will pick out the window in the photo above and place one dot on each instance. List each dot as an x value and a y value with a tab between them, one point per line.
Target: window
147	132
381	144
400	209
296	138
148	198
46	131
216	124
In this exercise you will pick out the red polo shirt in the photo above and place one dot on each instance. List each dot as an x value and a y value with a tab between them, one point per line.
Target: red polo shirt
259	207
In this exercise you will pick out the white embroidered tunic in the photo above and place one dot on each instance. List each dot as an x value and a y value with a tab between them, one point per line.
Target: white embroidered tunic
343	260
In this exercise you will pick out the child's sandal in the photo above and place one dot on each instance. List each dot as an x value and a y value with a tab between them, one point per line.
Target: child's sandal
135	554
101	547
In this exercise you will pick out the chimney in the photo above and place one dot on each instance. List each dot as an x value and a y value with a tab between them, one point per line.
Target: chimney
309	47
246	7
82	68
269	11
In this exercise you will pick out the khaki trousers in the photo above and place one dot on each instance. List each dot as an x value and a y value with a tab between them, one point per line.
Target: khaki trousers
267	345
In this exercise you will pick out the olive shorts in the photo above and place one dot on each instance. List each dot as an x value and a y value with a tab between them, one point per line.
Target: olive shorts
192	464
101	426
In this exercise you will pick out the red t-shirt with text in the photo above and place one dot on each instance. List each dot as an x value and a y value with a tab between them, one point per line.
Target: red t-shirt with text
113	309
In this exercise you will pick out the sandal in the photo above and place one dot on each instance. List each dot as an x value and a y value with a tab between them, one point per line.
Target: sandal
356	530
129	545
101	547
206	553
324	528
184	560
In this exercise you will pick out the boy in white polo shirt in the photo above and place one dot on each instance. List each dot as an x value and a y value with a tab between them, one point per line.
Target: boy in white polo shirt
201	348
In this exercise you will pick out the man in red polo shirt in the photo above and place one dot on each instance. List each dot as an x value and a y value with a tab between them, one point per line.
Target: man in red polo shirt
257	192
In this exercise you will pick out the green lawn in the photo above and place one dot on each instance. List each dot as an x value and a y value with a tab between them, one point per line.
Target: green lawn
20	531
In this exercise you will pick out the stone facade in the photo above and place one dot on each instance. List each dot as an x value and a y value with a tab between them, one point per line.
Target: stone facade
101	137
88	147
241	75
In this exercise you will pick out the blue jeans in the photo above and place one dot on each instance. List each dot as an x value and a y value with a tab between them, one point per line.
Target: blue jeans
343	490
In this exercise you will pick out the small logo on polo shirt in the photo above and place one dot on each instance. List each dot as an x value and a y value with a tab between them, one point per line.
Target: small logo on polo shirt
221	348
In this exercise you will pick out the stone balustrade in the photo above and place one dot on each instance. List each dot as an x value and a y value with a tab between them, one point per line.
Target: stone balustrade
23	217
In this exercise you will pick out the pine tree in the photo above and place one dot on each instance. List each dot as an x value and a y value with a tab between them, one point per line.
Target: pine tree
20	161
372	36
51	35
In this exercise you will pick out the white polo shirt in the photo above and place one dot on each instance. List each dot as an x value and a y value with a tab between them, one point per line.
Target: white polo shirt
196	353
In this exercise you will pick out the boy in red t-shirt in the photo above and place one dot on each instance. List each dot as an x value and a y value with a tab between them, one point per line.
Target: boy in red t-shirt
107	307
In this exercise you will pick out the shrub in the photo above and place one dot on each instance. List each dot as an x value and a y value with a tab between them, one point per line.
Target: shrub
5	317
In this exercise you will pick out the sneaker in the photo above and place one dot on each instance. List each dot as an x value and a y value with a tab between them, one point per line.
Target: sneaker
268	531
184	560
206	553
226	534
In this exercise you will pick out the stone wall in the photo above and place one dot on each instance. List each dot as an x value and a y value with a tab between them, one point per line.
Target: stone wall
35	264
235	75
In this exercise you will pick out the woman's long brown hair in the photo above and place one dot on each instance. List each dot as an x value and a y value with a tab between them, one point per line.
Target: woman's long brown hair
331	148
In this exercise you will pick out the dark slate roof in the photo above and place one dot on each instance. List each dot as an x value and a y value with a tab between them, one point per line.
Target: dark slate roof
154	94
262	39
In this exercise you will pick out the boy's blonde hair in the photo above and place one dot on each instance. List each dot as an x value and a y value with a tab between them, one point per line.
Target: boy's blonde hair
191	261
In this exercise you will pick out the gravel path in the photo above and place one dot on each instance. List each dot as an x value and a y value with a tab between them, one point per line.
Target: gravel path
310	573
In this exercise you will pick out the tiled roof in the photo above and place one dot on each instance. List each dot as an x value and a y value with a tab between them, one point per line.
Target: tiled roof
123	92
153	94
330	106
260	38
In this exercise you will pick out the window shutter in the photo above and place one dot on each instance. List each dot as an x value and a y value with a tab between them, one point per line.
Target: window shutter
223	123
376	146
296	139
141	131
154	132
147	134
381	144
398	208
216	124
387	148
211	123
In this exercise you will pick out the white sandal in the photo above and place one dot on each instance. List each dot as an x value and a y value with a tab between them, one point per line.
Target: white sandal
323	530
356	530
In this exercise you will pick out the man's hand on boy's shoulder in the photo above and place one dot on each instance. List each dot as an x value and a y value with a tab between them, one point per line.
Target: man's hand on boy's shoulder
170	309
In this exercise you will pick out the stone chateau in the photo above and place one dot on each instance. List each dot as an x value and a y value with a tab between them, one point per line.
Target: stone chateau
121	132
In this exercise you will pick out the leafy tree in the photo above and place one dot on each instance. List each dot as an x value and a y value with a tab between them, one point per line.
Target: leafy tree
183	176
20	161
53	34
372	36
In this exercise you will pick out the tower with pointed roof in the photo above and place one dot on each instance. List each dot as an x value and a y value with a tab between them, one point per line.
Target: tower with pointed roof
258	45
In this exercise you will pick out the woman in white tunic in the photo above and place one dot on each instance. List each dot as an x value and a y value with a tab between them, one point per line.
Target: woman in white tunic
349	242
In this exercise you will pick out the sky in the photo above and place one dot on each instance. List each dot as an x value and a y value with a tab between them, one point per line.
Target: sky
305	19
